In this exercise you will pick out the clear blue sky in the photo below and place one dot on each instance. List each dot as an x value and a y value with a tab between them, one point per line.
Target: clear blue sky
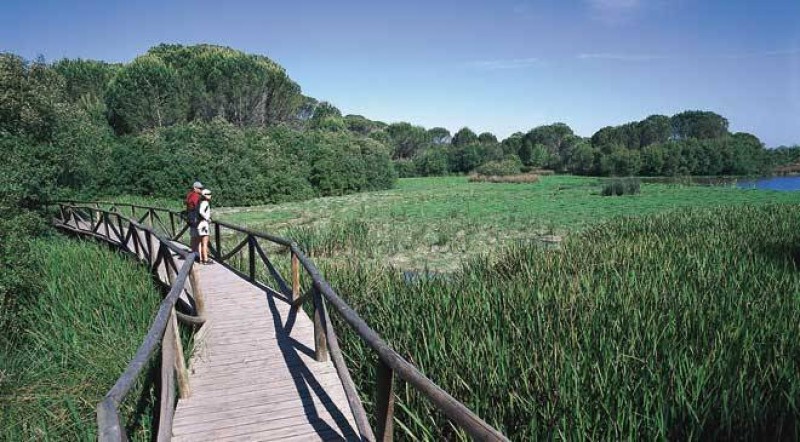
498	66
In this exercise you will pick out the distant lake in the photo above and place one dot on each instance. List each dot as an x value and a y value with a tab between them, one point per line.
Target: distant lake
786	183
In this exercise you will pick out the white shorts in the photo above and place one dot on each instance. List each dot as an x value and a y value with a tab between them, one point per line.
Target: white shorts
203	228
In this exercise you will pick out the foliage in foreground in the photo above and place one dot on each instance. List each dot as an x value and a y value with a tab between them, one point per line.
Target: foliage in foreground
72	341
678	326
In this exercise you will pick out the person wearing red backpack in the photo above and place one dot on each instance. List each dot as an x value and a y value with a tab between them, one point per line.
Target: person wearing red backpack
192	216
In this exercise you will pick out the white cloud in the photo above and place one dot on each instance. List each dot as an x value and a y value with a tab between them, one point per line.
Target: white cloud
514	63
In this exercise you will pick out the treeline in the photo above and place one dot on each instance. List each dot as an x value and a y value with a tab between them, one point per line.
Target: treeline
85	129
688	143
237	122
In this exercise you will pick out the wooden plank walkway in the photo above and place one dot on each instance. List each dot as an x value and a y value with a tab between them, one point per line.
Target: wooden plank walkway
253	375
252	371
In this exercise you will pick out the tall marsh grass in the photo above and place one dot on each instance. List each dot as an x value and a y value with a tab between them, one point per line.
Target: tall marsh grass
75	339
675	326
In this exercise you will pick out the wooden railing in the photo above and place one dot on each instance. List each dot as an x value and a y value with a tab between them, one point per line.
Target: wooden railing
158	253
320	294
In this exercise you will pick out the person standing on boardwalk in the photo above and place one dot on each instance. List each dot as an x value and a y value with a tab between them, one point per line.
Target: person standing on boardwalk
192	218
204	225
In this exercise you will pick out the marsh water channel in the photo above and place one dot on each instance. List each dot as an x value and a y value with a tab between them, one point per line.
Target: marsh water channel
781	183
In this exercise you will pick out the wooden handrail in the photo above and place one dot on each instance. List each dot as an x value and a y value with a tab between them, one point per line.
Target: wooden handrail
390	363
163	331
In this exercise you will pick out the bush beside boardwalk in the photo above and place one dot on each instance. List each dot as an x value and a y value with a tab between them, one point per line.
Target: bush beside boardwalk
679	326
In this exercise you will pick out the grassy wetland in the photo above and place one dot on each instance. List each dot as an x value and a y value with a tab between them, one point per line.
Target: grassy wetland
678	323
438	223
73	340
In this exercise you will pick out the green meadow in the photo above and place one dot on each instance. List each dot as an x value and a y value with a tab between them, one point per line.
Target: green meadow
437	223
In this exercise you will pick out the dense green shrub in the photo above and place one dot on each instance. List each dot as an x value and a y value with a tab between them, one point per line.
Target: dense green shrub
432	162
405	168
509	166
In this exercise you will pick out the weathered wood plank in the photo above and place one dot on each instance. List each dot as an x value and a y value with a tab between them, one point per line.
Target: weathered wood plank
251	379
288	427
263	413
248	399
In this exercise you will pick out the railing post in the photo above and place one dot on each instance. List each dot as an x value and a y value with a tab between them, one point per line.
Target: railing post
295	277
151	258
167	408
108	425
135	238
384	402
168	261
122	235
184	388
218	241
197	293
320	335
251	247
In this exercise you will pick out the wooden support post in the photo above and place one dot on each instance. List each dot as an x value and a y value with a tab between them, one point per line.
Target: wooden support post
168	261
172	224
320	337
184	389
251	247
135	238
295	277
149	241
197	292
122	241
384	402
218	241
167	384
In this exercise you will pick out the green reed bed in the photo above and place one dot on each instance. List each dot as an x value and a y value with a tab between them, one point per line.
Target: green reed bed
437	222
681	325
76	337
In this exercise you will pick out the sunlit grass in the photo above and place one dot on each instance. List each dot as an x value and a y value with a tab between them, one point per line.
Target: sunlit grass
92	311
437	223
676	326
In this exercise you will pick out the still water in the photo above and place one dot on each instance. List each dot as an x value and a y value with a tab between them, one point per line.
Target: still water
787	183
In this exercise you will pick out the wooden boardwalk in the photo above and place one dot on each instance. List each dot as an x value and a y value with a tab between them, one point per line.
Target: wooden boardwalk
253	375
252	371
